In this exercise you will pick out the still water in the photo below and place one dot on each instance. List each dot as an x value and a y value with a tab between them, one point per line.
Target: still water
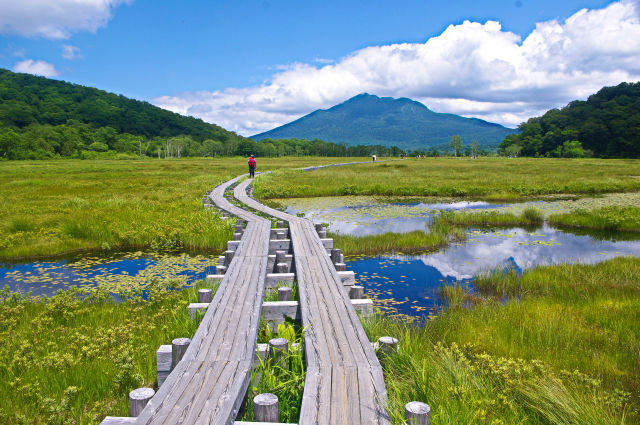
113	272
411	284
364	216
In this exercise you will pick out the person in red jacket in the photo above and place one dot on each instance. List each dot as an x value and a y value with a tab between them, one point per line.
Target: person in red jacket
252	166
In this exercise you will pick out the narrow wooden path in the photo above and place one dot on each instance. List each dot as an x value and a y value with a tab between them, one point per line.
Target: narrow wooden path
210	382
344	383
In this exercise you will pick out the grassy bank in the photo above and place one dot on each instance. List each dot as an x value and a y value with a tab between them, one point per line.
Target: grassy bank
55	207
411	242
562	350
68	360
611	218
528	217
489	178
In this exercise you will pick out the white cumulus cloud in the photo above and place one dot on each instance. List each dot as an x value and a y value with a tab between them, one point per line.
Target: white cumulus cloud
472	69
54	19
36	67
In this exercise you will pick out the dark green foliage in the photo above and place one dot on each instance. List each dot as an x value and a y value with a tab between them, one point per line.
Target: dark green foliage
367	120
606	125
42	118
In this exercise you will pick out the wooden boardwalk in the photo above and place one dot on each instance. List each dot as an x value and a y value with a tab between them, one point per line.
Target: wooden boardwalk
210	382
344	383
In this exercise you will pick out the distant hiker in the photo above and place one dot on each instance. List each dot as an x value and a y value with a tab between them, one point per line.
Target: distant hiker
252	166
374	157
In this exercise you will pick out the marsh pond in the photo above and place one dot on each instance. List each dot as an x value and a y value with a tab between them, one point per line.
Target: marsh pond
411	284
400	284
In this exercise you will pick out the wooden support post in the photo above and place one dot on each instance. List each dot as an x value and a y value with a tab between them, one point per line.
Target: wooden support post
341	257
319	227
280	223
356	292
265	408
237	236
388	345
335	255
138	399
417	413
225	214
205	295
163	363
239	228
220	270
228	256
239	221
322	234
281	257
278	349
341	267
284	294
178	348
280	234
282	268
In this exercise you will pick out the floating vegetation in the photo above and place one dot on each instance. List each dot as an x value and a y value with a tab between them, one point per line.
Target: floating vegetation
363	216
115	273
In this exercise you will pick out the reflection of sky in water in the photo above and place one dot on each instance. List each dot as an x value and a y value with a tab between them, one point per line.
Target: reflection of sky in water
128	270
412	283
370	219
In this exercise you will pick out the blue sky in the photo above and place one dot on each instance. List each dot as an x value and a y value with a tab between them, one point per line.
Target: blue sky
252	65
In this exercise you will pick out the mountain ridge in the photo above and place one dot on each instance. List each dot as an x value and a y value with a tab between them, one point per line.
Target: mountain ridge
406	123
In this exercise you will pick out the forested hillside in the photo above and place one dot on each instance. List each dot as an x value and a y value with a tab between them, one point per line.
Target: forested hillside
606	125
42	118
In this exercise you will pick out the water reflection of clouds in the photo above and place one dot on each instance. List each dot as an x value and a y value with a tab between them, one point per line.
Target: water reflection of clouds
525	250
376	218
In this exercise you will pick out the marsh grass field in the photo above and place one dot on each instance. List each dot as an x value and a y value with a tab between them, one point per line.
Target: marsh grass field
73	358
57	207
486	178
557	345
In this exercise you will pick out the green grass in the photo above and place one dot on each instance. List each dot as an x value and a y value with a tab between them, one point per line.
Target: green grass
612	218
271	294
488	178
56	207
284	378
70	360
529	217
411	242
563	349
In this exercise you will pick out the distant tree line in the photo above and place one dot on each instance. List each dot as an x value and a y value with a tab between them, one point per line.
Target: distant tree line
42	118
606	125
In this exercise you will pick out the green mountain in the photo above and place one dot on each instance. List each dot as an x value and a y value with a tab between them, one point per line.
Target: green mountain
607	124
45	118
28	99
371	120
